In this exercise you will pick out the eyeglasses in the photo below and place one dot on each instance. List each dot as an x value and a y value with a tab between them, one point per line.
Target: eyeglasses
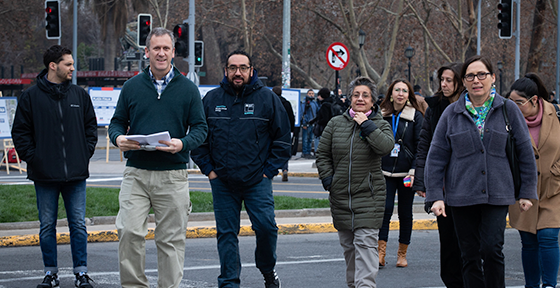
480	76
242	69
519	103
399	90
364	96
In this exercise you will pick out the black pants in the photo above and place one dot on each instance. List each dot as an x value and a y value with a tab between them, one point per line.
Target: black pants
480	231
450	255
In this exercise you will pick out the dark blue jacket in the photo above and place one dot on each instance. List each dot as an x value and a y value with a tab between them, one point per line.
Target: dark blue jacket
248	134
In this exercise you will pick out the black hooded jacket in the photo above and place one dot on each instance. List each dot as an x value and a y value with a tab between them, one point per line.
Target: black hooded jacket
55	131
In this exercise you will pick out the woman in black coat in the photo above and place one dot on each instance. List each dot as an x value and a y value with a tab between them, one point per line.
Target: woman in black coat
450	89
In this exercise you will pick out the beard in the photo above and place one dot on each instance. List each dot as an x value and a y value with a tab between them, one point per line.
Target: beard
236	86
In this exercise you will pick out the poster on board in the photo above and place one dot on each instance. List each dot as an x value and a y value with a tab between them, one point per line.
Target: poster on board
104	101
8	107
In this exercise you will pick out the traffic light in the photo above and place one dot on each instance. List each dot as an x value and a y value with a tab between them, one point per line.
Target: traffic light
198	53
181	33
52	18
505	13
144	28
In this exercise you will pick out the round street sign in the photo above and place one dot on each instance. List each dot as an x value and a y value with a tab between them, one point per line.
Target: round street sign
337	56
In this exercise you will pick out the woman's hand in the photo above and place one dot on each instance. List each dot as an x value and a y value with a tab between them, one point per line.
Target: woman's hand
439	208
421	193
360	117
525	204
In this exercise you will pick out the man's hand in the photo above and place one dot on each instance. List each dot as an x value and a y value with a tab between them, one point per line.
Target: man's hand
126	145
173	146
304	127
212	175
439	208
525	204
421	193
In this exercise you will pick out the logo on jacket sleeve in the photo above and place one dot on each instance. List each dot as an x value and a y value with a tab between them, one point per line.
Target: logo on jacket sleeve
249	108
220	108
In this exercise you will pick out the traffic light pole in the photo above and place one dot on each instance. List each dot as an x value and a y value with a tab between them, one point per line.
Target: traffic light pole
192	75
517	36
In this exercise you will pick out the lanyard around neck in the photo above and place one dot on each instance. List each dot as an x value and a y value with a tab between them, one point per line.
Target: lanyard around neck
395	123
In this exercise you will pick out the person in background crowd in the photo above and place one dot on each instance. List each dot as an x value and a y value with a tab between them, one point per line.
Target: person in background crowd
468	157
55	132
246	146
158	99
552	98
450	88
288	107
539	227
401	110
309	108
325	112
351	148
418	90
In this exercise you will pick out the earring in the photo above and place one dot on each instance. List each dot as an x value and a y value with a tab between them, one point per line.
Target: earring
407	102
391	99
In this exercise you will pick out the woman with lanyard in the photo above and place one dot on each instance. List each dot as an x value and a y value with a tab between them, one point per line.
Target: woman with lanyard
400	108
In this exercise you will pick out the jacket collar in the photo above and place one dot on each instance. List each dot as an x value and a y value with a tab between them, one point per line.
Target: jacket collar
460	103
375	110
407	112
55	91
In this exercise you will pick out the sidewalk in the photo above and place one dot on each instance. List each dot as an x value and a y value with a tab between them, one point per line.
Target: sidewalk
200	225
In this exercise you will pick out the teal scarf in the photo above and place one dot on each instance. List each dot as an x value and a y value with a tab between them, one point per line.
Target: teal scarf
479	113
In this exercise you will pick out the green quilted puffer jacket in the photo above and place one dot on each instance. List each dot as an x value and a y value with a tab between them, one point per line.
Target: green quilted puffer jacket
357	191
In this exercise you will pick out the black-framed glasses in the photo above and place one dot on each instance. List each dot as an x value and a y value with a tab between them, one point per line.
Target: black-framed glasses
480	76
242	69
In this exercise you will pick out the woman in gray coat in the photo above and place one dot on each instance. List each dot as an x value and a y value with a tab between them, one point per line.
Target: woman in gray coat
349	164
468	157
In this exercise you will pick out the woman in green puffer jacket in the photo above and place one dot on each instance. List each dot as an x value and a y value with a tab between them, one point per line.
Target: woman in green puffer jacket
349	164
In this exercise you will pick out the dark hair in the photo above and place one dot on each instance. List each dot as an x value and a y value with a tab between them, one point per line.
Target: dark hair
417	88
388	106
454	67
277	90
324	93
160	31
239	52
55	54
529	86
475	58
363	81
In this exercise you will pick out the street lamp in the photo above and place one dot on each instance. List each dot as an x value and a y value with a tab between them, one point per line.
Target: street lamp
409	53
361	38
500	66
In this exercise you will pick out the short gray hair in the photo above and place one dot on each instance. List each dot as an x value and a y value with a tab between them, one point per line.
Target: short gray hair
159	31
365	81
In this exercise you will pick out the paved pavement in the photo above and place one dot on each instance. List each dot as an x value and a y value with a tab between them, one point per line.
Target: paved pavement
200	224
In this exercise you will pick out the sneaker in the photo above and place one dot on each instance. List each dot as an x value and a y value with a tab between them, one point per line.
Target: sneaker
271	280
50	280
82	280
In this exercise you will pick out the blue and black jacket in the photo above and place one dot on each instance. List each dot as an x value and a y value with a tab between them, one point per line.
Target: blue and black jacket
248	134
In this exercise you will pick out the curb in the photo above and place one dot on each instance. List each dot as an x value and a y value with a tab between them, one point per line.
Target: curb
201	232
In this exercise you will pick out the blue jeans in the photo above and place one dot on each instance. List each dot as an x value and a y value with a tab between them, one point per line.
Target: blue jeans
74	196
259	204
406	198
540	257
306	139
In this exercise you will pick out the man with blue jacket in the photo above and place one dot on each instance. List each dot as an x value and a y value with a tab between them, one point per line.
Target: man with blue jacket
248	141
309	108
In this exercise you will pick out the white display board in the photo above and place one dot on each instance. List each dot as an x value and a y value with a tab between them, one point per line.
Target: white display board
8	106
104	101
293	96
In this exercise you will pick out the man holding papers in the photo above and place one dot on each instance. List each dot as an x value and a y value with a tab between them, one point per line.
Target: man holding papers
159	99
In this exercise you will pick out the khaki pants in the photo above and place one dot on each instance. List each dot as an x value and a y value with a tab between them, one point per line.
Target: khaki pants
167	192
361	255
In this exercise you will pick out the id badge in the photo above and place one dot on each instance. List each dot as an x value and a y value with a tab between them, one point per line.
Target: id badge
396	150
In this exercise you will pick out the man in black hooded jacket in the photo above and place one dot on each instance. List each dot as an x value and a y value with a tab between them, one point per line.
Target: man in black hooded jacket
55	132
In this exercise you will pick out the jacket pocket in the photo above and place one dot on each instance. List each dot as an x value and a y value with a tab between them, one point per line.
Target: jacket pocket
554	184
497	143
462	144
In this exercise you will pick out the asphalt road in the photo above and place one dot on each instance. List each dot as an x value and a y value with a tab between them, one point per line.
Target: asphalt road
308	260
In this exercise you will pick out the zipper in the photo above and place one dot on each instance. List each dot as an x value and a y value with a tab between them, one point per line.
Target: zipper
350	175
63	140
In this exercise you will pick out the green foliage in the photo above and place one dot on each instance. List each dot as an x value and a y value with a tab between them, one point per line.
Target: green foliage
84	53
18	203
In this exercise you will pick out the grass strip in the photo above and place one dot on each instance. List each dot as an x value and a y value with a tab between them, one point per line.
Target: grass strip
18	203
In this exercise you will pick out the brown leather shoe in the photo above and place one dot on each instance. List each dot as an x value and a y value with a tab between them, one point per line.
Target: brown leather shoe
401	256
382	246
285	176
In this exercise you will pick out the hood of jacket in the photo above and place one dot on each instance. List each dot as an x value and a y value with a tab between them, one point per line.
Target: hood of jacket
55	91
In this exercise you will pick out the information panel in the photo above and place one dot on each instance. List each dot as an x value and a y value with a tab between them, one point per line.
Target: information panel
104	101
8	107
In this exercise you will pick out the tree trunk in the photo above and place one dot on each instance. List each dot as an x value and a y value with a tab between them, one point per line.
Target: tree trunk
535	50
